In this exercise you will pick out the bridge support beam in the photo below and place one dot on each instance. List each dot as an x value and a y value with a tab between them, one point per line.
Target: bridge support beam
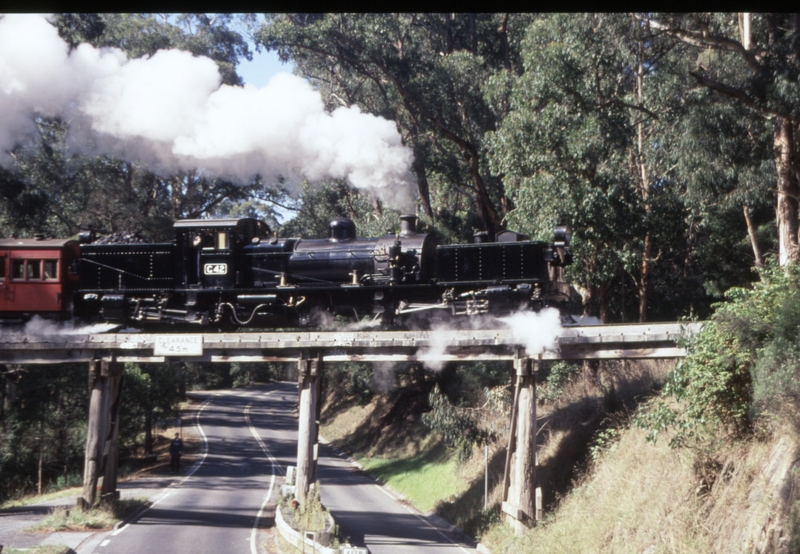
522	497
309	379
105	378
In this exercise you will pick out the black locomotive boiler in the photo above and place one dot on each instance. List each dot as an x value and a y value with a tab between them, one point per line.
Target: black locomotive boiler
233	272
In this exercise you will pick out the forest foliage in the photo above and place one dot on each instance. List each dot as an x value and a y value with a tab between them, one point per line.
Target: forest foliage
667	141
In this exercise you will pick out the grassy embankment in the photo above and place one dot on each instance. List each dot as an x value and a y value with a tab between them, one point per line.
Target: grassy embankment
606	488
414	462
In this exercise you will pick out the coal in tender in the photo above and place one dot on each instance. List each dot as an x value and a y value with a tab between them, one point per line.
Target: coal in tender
123	238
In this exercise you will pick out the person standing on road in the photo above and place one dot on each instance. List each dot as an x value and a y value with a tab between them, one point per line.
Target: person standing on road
175	449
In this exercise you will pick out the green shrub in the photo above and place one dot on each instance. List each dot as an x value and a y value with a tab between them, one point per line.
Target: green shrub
556	376
744	364
459	426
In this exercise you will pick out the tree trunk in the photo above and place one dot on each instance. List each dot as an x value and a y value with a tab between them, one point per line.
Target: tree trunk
786	210
503	30
377	207
422	183
587	297
751	230
448	33
148	432
605	289
486	209
644	278
744	29
41	454
473	37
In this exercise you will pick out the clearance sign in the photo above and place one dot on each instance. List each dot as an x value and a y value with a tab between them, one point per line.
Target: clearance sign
178	345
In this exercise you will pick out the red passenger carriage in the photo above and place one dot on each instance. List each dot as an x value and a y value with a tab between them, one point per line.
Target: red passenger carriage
37	276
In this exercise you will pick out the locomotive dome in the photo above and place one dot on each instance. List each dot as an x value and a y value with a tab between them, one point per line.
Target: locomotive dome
341	229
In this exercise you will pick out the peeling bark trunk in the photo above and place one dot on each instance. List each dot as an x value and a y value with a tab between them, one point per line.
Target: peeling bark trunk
751	230
786	209
744	29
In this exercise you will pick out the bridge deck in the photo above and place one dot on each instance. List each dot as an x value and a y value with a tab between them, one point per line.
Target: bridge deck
648	340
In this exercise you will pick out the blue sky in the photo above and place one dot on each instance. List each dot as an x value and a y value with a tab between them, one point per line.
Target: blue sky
263	66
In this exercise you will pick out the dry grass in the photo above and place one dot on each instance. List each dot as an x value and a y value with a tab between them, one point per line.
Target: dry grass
38	498
103	516
630	497
640	497
750	505
567	428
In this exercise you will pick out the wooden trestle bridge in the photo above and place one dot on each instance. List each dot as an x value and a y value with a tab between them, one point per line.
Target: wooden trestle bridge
105	353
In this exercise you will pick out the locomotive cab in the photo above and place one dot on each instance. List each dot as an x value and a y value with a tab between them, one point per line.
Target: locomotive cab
210	250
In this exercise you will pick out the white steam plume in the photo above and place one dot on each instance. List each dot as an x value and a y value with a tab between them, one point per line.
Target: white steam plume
588	320
38	326
536	331
170	111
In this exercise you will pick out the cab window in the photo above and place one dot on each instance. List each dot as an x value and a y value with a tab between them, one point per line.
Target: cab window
222	240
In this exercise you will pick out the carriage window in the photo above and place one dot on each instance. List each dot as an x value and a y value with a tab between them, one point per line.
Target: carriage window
2	270
18	270
222	240
34	269
50	270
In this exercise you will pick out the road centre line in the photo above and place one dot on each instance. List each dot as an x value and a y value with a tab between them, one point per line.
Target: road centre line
254	532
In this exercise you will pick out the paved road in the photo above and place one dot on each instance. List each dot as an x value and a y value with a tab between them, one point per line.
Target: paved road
214	508
251	437
366	513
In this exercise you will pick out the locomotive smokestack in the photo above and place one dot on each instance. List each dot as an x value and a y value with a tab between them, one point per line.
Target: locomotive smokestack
408	225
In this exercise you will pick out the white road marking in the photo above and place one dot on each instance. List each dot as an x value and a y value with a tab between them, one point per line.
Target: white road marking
105	542
254	532
419	517
171	488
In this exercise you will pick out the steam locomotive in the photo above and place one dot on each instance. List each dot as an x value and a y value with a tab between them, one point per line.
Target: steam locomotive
224	273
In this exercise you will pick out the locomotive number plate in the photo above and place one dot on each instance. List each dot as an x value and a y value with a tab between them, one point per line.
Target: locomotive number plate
215	269
178	345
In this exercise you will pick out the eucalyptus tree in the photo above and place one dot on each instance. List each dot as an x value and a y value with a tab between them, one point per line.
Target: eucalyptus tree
750	65
424	71
584	137
211	35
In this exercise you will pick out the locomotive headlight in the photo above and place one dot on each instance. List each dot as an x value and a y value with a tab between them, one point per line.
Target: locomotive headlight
563	235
